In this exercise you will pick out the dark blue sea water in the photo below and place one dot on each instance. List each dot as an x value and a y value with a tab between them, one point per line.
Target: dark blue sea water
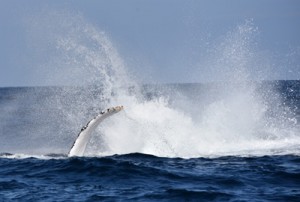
36	134
139	177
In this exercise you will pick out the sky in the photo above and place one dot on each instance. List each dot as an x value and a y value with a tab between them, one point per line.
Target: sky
166	41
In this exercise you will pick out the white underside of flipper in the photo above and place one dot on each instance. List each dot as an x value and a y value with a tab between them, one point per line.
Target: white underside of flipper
84	136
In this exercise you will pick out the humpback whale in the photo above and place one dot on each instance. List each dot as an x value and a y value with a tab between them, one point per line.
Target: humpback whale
84	135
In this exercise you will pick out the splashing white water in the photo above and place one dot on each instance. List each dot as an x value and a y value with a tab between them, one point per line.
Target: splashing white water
233	121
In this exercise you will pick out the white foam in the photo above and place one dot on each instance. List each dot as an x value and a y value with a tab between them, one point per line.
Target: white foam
235	122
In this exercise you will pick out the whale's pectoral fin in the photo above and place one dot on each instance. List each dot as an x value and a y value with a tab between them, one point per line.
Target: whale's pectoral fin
83	137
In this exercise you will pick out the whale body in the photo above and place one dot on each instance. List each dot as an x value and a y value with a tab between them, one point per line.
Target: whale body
84	136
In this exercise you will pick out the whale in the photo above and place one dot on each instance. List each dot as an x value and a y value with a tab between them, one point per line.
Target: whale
84	135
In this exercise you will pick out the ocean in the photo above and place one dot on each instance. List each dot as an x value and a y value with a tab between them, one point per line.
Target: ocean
233	137
218	141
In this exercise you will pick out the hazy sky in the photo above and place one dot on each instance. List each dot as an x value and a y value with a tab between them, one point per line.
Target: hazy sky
160	41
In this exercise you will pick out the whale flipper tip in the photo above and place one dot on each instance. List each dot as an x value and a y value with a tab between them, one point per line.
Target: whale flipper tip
83	137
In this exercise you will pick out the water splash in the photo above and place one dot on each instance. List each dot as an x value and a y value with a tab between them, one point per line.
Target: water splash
233	118
234	122
81	59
